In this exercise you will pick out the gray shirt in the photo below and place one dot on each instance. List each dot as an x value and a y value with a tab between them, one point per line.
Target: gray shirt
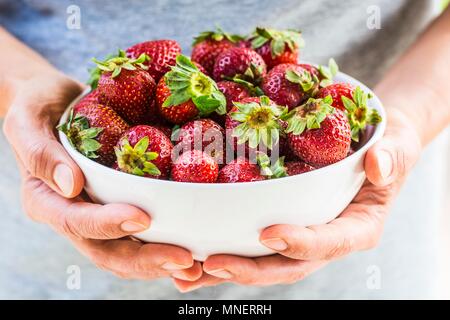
34	260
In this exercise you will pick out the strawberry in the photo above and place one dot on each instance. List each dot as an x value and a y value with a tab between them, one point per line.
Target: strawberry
297	167
164	129
162	55
277	85
126	87
233	92
144	151
185	92
240	170
254	122
277	47
318	133
195	166
289	84
354	102
241	63
204	135
209	44
90	98
94	129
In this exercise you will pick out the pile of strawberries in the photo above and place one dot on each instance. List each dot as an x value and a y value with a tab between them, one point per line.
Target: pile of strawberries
240	109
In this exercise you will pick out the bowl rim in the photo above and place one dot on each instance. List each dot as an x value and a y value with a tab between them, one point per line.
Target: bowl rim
376	136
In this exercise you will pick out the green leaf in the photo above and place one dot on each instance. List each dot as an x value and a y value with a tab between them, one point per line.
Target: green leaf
348	104
90	145
90	133
177	98
293	76
277	46
142	145
116	72
333	67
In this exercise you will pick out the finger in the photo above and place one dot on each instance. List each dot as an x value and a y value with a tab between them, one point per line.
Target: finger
261	271
75	218
393	156
42	155
359	227
192	274
133	260
206	280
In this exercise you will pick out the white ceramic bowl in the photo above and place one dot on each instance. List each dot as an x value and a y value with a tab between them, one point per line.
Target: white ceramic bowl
227	218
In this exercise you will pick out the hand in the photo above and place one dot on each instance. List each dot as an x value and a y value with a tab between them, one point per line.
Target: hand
52	183
303	250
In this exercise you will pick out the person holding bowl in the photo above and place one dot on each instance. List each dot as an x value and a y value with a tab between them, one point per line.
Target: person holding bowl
34	93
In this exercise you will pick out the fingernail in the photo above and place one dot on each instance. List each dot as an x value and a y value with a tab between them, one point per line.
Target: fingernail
180	275
170	266
63	177
189	289
276	244
220	273
132	226
384	160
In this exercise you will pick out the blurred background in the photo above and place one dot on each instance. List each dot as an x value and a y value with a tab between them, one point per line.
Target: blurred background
414	258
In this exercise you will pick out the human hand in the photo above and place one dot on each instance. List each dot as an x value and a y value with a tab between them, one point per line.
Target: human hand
303	250
52	184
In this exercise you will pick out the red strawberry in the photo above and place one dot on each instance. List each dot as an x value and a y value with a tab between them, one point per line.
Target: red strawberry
204	135
164	129
277	47
289	84
278	86
337	91
209	44
185	92
126	87
243	63
195	166
240	170
162	55
254	122
354	101
90	98
233	92
94	129
144	151
297	167
319	134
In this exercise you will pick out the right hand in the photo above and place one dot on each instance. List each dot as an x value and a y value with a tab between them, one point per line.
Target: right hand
52	187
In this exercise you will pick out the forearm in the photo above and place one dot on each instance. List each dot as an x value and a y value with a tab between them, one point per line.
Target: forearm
18	63
418	85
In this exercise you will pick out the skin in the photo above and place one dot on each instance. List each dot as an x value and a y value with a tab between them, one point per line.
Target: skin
34	97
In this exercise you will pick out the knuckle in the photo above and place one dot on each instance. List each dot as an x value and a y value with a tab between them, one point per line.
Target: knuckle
37	160
340	248
66	227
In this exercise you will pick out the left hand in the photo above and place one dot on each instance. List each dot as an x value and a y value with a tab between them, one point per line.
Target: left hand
303	250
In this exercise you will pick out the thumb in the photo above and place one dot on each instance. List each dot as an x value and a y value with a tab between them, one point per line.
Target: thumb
42	155
394	155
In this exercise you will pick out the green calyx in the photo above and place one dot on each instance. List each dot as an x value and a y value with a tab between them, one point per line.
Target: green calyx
186	82
259	122
217	35
328	73
271	171
115	64
358	113
308	116
80	135
308	82
251	76
278	40
136	160
253	90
